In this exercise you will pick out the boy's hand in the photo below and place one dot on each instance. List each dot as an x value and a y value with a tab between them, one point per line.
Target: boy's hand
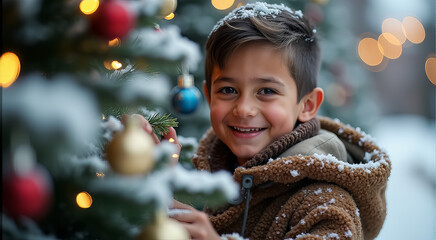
197	223
171	134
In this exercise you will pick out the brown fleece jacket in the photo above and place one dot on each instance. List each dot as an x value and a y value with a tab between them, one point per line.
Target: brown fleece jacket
309	184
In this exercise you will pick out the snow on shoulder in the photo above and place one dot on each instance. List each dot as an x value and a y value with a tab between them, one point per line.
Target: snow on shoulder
373	158
255	10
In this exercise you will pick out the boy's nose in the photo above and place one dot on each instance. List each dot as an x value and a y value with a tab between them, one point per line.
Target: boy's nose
245	108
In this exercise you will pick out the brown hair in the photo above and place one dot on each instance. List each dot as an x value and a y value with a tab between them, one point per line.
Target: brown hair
286	31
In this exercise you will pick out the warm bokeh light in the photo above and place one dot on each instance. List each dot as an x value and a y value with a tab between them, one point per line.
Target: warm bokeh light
9	69
171	140
379	67
170	16
84	200
103	117
89	6
389	46
107	65
336	95
175	155
114	42
100	175
395	27
116	65
430	69
222	4
413	30
369	51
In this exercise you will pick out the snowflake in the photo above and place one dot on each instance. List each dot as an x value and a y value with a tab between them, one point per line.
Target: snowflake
294	173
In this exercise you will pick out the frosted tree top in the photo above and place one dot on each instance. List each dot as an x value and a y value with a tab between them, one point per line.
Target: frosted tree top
255	10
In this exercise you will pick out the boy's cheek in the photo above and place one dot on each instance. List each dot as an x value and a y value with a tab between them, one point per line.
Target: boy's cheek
218	110
281	119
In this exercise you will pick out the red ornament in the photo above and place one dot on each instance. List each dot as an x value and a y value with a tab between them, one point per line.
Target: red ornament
27	195
112	19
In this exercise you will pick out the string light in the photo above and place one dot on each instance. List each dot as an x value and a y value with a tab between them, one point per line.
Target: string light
89	6
114	42
112	65
103	117
9	69
169	16
100	175
171	140
369	51
430	69
107	65
222	4
414	31
116	65
84	200
175	155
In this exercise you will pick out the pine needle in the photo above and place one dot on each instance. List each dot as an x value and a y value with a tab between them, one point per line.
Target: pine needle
161	122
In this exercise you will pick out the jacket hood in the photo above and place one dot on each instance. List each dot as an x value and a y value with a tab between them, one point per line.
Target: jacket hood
356	164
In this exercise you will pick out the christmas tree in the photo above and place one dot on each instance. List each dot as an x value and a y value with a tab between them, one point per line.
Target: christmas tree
71	169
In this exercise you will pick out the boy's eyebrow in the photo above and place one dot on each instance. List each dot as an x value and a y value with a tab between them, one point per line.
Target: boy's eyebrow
223	79
262	80
270	80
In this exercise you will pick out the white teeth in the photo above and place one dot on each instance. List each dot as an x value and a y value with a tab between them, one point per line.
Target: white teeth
247	129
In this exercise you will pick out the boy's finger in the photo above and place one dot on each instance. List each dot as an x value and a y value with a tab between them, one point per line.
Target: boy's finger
177	204
171	136
123	118
184	217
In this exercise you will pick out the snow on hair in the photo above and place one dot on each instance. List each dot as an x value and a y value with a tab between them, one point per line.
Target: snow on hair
255	10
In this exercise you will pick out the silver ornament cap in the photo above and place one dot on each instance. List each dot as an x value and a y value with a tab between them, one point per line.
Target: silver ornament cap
185	80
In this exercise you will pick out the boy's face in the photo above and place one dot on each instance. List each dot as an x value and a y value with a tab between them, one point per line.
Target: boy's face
253	100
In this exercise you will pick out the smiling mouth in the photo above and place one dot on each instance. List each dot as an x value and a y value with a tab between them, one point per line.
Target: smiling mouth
247	130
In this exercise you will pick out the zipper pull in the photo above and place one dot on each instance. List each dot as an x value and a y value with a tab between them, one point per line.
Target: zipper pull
247	183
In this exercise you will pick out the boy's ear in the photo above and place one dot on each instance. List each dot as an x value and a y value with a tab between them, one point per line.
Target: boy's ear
311	103
206	91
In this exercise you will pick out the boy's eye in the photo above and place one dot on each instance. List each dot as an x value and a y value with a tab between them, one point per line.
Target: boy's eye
227	90
267	91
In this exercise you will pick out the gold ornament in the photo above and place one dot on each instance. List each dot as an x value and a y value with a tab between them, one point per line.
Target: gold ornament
168	7
164	228
131	150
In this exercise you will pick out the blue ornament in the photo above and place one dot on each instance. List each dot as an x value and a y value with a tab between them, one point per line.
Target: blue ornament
185	96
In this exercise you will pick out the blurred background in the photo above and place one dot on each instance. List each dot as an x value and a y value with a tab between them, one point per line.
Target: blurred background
378	72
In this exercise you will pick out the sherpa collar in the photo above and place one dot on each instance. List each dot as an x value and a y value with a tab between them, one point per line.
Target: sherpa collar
222	158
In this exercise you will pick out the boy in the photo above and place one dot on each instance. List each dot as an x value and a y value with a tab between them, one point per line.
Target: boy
301	177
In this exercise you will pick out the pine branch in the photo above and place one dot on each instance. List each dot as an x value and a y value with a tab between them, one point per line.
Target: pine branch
120	75
161	122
